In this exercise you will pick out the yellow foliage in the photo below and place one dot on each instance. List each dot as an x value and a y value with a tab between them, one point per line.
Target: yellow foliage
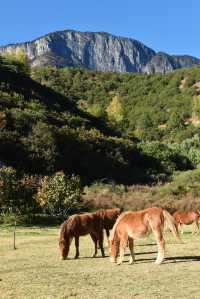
16	54
95	109
114	110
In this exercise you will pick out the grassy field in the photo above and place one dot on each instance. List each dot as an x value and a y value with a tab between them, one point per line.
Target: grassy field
35	270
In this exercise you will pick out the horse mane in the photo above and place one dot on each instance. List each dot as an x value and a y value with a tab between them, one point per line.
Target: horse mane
68	227
113	232
101	213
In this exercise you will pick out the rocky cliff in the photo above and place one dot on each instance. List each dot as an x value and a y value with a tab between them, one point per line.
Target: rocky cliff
99	51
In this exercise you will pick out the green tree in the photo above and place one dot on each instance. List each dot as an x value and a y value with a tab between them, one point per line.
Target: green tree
59	194
18	57
8	188
176	121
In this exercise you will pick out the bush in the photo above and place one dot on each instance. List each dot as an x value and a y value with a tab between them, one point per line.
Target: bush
59	194
8	188
162	153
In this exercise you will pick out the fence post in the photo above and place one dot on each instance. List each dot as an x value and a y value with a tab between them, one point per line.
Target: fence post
14	236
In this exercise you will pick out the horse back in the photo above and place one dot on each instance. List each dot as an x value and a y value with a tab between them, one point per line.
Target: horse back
138	224
89	223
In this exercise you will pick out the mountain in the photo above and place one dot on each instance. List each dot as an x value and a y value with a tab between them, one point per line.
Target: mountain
99	51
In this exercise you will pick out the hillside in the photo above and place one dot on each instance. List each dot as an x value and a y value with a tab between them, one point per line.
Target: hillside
99	51
147	107
42	131
78	128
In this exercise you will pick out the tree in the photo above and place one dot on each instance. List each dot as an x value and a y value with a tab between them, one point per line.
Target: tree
18	57
176	121
8	188
59	194
114	110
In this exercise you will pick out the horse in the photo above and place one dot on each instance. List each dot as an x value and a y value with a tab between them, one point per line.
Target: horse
109	217
81	225
133	225
187	218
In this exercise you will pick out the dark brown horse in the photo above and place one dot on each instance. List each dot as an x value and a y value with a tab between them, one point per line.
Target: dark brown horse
133	225
187	218
81	225
109	217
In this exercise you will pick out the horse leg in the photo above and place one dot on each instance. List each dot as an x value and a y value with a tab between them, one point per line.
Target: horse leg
77	247
122	245
107	233
94	238
131	247
181	228
101	243
161	246
195	227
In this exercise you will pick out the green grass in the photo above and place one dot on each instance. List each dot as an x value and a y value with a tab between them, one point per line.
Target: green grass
35	270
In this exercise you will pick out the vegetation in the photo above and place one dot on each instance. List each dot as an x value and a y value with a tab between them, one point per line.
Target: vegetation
97	127
149	107
59	194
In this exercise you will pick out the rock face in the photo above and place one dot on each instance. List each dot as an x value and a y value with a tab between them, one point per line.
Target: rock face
98	51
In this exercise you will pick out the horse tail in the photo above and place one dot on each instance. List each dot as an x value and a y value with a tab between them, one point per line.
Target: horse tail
171	224
68	227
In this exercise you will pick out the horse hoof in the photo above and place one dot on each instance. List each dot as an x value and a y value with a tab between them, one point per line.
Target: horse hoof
63	258
158	262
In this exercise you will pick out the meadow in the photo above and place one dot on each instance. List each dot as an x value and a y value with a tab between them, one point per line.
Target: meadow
35	270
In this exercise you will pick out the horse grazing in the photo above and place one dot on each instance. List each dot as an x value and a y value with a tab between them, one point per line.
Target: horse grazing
81	225
187	218
109	217
133	225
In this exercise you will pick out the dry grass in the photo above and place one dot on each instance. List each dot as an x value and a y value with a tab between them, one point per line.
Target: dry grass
35	270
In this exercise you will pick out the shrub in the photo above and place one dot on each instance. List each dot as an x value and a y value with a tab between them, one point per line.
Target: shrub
160	152
8	187
59	194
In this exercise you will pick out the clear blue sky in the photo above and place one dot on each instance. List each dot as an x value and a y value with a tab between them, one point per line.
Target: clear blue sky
172	26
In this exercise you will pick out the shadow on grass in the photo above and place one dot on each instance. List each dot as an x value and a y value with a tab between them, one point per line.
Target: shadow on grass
172	259
149	244
107	256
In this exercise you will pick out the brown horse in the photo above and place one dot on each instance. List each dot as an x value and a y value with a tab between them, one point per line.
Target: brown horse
81	225
109	217
134	225
187	218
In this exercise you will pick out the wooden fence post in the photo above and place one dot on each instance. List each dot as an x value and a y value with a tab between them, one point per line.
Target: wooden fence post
14	236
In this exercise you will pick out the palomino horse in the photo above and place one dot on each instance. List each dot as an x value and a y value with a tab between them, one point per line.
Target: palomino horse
133	225
187	218
80	225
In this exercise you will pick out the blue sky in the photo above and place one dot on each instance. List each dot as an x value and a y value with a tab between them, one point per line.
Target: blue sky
172	26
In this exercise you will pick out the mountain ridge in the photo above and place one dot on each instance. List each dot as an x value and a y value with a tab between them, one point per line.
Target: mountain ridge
99	51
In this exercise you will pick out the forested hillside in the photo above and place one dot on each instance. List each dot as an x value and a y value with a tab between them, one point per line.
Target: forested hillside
149	107
61	123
